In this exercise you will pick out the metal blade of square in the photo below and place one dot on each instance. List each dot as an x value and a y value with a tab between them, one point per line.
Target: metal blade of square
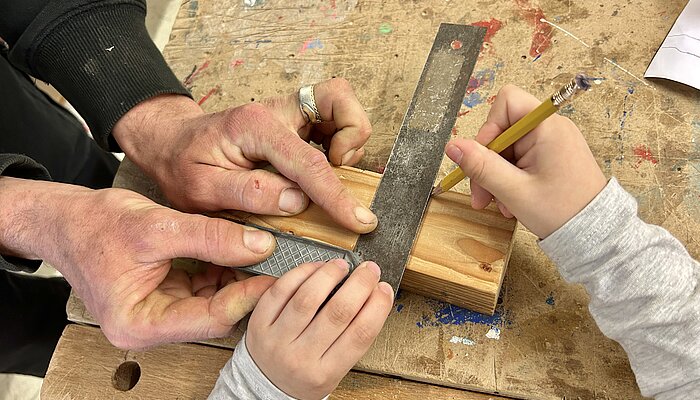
404	190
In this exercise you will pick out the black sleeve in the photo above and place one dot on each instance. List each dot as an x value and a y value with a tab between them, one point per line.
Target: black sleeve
96	53
20	166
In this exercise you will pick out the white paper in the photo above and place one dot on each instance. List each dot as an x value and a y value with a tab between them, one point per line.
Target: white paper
678	58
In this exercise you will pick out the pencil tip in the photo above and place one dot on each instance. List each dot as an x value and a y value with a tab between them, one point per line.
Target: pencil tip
436	191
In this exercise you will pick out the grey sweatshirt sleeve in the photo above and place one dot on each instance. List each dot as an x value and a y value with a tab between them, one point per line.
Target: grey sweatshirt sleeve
643	286
242	379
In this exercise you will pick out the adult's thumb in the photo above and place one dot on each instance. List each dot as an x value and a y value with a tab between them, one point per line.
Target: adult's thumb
215	240
486	168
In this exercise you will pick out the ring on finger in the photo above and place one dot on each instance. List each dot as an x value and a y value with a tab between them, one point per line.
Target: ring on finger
307	105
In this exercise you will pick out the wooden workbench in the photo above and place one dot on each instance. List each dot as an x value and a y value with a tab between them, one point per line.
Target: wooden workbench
542	342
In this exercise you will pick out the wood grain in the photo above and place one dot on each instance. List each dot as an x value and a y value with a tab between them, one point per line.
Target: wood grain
189	371
460	254
550	347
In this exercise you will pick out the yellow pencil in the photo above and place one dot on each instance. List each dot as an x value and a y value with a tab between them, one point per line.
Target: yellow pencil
521	128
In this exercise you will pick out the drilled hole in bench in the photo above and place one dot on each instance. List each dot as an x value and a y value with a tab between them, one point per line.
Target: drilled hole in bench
126	376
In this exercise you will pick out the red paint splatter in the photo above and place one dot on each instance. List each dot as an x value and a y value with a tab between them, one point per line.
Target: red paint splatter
462	113
456	44
206	96
644	154
454	131
542	35
237	63
333	4
190	78
491	99
492	26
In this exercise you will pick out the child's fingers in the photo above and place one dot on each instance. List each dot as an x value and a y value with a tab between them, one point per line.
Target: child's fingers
480	196
276	298
511	104
361	332
304	304
489	131
487	169
341	309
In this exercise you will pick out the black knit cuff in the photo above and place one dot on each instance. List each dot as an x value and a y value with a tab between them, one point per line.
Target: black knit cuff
99	56
19	166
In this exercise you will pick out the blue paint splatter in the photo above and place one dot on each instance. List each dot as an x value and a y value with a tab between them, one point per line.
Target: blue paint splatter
483	79
550	299
623	119
472	100
192	8
537	58
311	44
399	307
568	110
448	314
625	113
630	90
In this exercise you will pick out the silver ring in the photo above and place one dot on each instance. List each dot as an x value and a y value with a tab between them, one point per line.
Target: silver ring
307	105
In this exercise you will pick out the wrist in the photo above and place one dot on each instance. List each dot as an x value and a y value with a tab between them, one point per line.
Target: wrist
31	212
145	132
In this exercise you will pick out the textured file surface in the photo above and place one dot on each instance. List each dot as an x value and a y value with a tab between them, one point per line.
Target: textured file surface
292	251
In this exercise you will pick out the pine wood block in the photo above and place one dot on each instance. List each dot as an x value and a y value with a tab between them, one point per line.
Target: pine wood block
460	254
86	366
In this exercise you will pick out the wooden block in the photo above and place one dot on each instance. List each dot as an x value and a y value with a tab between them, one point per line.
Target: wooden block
86	366
460	255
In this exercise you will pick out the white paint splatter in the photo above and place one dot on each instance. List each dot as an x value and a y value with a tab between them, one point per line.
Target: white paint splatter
110	48
565	31
616	65
625	71
463	340
251	3
494	333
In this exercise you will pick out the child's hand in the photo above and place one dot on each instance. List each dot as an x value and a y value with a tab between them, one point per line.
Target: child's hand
555	175
305	353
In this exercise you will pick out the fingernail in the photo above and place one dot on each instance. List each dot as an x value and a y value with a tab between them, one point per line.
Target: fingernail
342	264
386	288
372	266
292	201
257	241
454	153
345	160
365	216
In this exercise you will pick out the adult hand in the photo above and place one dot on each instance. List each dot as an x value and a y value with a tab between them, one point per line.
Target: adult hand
544	179
206	162
306	352
115	249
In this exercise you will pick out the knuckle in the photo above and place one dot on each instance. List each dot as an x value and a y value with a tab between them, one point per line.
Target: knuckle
213	231
508	90
318	382
365	131
340	313
363	336
314	162
236	119
304	303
